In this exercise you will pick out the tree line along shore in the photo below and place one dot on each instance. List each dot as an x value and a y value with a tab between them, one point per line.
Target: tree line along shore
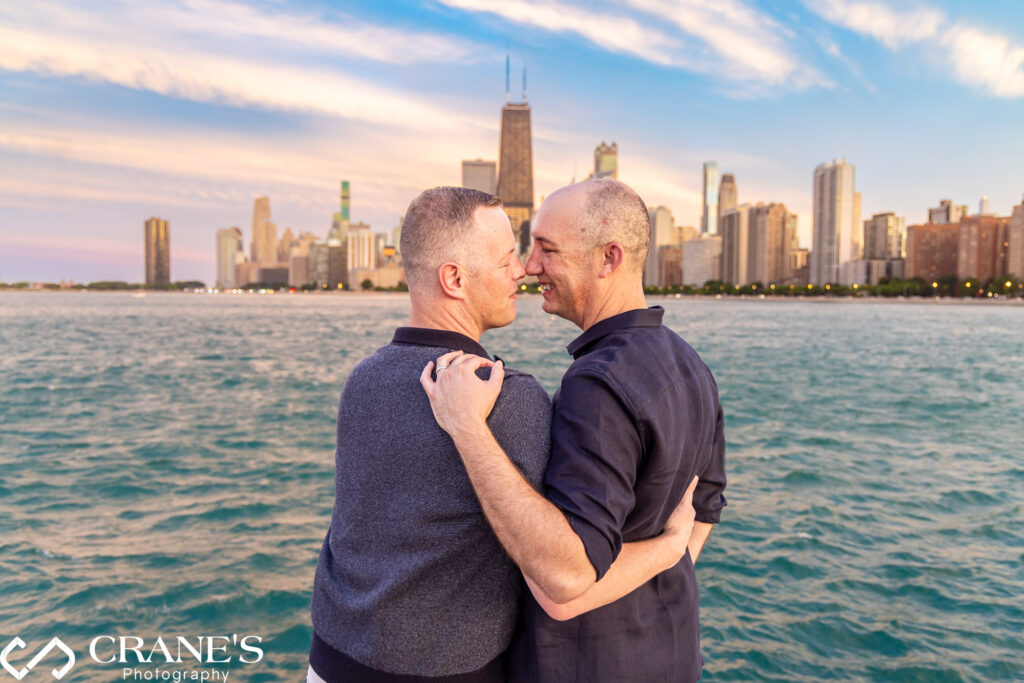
948	286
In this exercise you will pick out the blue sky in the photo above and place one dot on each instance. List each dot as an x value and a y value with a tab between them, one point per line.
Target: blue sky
111	112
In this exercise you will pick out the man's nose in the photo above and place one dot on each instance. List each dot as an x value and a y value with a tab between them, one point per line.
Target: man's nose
519	272
533	266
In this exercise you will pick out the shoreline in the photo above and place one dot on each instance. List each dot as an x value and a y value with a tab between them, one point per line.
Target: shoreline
946	301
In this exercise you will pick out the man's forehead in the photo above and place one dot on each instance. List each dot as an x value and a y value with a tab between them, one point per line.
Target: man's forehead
554	223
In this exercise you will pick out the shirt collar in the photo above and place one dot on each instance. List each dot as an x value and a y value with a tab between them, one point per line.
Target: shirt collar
640	317
445	339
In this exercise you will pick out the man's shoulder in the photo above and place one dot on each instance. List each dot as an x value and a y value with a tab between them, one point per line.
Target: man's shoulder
522	389
636	364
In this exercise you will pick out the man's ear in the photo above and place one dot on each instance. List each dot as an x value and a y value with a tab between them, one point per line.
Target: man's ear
613	256
452	278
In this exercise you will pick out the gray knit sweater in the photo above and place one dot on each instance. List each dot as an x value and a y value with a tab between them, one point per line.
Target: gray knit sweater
411	578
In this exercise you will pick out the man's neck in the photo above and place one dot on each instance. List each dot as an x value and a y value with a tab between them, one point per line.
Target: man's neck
435	317
612	304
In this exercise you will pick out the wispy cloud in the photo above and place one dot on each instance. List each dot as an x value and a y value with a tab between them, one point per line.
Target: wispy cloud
980	59
192	51
233	25
616	32
725	38
221	80
749	44
892	28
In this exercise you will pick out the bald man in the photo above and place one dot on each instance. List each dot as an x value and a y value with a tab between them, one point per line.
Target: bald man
636	418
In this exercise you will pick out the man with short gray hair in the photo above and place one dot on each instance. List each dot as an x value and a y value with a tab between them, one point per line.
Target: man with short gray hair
411	583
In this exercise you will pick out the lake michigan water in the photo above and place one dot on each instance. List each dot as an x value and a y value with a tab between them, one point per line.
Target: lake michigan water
166	468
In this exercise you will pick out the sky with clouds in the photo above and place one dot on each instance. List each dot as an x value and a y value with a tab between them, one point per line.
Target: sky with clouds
115	111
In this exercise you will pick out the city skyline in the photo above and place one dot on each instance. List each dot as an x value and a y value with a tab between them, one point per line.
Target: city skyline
289	99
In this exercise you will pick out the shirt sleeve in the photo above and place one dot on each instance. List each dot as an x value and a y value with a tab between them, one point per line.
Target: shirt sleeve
709	496
595	452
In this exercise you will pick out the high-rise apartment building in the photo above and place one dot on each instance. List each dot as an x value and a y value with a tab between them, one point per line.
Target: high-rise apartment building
478	174
606	161
396	237
685	233
1015	248
284	246
735	231
772	233
230	251
836	221
932	250
362	247
702	260
982	248
662	234
727	195
709	197
946	212
884	236
983	207
158	251
515	169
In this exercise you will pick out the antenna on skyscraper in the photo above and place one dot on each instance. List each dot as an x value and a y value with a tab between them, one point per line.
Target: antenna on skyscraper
524	84
508	97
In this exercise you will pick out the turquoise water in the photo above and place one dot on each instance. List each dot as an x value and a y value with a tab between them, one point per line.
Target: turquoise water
166	468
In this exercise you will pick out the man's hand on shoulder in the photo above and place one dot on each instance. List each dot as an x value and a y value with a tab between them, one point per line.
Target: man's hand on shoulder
460	400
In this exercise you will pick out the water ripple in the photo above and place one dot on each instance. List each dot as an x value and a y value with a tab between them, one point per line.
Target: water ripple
166	466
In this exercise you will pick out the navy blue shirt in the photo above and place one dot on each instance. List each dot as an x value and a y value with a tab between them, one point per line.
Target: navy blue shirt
636	417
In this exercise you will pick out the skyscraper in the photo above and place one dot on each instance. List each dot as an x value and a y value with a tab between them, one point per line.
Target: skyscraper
982	247
284	246
932	250
709	219
835	233
884	236
606	161
736	245
727	195
229	251
515	166
264	233
158	251
1015	248
479	175
663	234
362	248
340	220
346	199
946	212
770	242
702	260
983	207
